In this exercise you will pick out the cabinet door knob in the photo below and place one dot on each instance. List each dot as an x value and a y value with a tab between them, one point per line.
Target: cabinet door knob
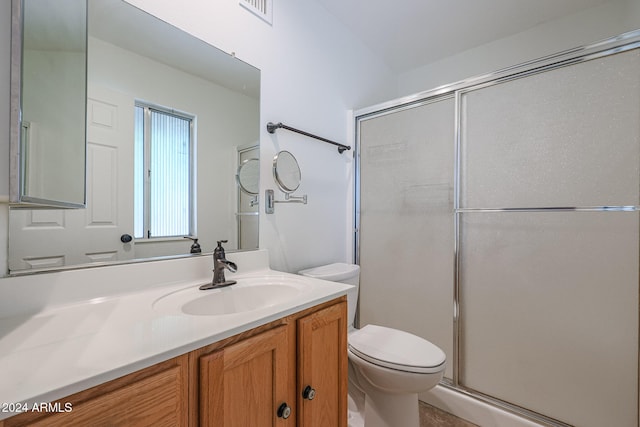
284	411
309	393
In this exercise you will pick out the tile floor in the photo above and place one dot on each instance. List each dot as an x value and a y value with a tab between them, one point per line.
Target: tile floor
431	416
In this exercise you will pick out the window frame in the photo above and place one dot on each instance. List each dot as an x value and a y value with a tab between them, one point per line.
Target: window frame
147	109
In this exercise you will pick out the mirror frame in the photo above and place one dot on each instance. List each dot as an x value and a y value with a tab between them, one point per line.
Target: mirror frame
239	179
277	178
17	168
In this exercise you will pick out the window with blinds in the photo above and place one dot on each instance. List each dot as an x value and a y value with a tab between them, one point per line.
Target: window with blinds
163	173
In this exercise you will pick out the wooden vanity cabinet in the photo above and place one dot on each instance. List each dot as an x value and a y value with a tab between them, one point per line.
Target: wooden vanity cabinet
245	383
322	367
240	381
155	396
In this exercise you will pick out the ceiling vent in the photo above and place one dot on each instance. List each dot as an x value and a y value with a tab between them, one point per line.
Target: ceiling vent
261	8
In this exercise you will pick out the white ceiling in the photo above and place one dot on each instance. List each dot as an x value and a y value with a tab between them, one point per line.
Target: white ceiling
409	33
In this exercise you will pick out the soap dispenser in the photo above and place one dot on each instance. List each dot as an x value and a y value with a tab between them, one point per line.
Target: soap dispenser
195	247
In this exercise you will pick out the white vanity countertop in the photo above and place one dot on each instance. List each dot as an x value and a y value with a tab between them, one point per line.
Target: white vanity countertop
66	348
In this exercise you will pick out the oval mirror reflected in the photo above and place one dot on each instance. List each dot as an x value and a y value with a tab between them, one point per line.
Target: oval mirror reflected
248	176
286	172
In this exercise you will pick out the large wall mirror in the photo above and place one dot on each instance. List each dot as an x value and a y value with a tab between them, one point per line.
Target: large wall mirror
169	119
49	45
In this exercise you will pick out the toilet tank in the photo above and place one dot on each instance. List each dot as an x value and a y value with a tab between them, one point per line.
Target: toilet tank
343	273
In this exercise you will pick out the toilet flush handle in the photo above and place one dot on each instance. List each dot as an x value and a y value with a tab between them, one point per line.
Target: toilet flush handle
309	393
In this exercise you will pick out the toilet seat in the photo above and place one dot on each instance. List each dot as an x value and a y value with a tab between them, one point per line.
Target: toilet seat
395	349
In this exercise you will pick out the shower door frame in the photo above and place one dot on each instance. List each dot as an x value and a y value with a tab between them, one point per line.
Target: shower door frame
622	43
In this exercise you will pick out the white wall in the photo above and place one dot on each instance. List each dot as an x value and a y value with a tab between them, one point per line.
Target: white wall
604	21
313	72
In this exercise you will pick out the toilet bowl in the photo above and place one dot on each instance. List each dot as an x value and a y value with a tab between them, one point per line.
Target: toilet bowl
387	367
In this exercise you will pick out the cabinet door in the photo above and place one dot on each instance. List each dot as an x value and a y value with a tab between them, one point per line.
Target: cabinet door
322	366
245	383
156	396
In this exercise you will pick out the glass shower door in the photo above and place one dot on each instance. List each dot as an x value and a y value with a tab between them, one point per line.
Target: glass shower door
548	241
406	221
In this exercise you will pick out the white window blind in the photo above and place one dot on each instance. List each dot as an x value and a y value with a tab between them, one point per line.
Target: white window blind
163	197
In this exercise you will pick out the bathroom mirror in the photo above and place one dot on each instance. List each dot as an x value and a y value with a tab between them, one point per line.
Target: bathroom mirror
286	172
48	102
248	176
140	71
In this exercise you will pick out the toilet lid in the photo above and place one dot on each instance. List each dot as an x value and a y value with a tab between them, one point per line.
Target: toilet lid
396	349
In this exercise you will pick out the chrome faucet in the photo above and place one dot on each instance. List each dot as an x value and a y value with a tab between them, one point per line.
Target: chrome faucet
220	263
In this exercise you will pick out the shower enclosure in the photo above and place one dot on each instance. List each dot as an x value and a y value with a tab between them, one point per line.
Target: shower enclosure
498	218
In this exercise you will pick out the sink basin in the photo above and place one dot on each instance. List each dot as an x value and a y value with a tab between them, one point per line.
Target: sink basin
238	300
248	294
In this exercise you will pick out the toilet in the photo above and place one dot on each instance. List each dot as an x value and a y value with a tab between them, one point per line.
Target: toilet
387	367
